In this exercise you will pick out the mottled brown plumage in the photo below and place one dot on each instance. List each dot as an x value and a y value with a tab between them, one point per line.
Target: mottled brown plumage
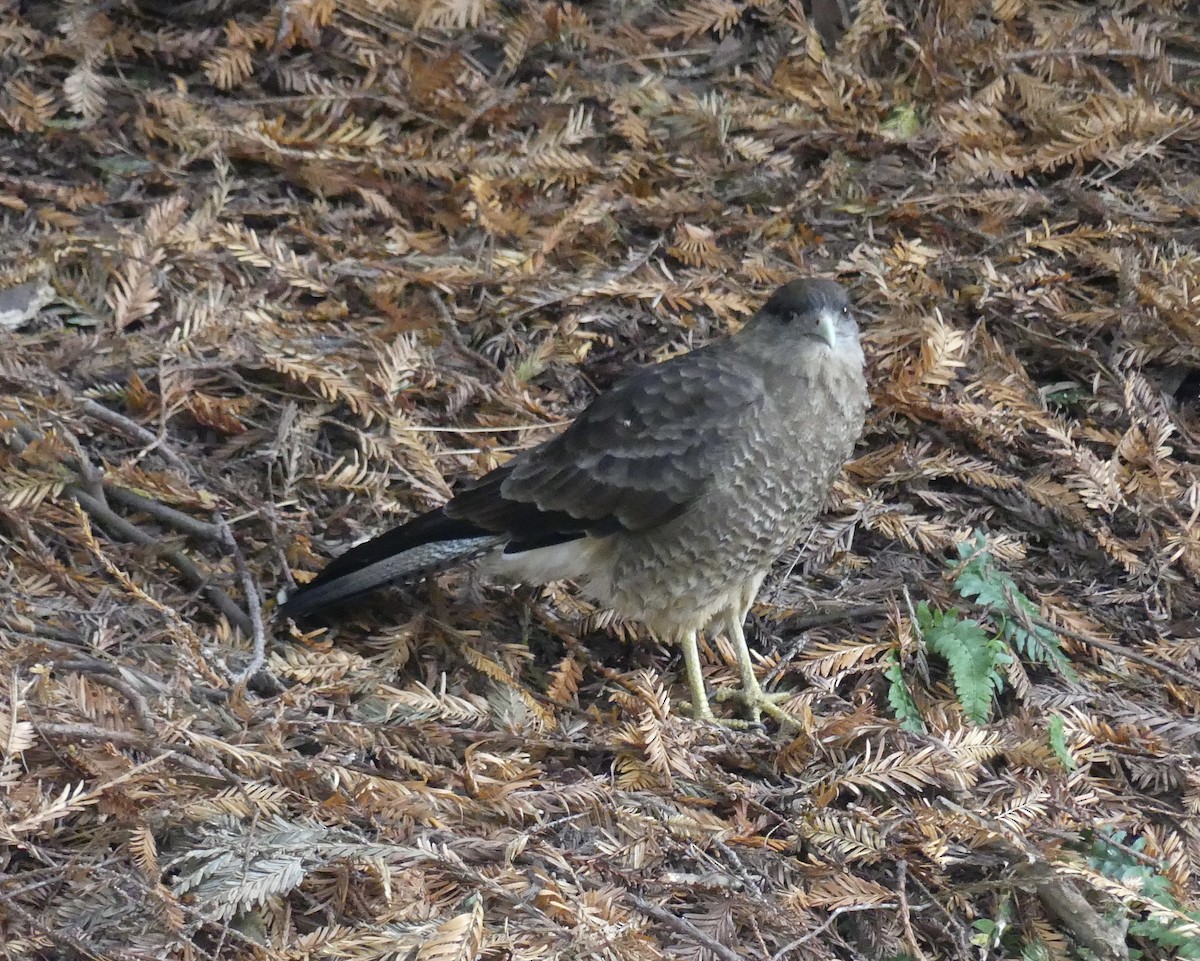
671	495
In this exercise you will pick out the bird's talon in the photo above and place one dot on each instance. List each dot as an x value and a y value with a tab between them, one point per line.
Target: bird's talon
702	714
706	716
739	724
788	723
758	702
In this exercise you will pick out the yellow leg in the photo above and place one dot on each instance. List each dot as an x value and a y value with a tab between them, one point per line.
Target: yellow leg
733	627
701	710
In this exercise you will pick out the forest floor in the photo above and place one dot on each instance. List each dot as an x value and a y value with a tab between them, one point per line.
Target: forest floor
276	275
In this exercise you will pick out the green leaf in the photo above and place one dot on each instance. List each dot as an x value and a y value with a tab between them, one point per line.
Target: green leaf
980	581
901	699
974	659
1154	888
902	123
1068	397
1058	742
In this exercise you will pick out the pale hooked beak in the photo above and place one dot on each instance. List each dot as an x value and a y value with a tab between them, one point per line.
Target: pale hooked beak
827	327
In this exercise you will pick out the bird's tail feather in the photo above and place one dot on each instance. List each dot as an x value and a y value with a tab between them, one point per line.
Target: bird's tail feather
410	552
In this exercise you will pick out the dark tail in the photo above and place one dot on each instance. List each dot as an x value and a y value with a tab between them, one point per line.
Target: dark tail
424	546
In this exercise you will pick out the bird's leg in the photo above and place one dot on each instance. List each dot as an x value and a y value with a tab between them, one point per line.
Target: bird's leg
701	710
757	701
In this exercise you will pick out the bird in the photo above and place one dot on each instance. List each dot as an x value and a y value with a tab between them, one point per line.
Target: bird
669	497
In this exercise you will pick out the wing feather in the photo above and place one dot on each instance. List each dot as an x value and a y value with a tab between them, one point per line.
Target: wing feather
632	460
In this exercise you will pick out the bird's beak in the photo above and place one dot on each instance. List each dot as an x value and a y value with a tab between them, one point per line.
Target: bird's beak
826	324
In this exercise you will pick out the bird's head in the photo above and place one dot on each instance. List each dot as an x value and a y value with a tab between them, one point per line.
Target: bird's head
810	314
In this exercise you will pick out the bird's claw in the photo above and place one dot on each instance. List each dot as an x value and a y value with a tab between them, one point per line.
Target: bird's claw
705	715
758	702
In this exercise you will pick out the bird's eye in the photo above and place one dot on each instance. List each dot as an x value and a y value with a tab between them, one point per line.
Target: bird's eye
846	311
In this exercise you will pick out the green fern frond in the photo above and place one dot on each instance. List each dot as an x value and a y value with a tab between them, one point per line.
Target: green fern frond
901	699
980	581
1166	922
974	658
1058	742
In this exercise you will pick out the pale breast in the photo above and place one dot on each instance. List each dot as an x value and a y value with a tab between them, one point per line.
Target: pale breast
677	577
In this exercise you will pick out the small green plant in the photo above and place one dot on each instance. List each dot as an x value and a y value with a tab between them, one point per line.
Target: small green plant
1000	936
999	939
1166	922
976	656
980	581
901	699
1058	742
1068	398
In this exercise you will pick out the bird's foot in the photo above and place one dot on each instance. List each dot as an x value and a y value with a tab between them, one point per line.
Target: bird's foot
703	713
758	702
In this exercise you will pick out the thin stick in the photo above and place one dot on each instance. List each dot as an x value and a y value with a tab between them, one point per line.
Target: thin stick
1079	54
97	508
415	429
834	915
115	524
185	523
808	621
125	738
1188	680
103	674
253	602
905	915
135	430
682	926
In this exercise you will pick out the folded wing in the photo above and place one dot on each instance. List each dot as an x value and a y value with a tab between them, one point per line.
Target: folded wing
634	459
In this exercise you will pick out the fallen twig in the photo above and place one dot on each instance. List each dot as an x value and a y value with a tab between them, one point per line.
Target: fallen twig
115	524
105	674
682	926
253	602
126	739
182	522
133	429
1190	680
